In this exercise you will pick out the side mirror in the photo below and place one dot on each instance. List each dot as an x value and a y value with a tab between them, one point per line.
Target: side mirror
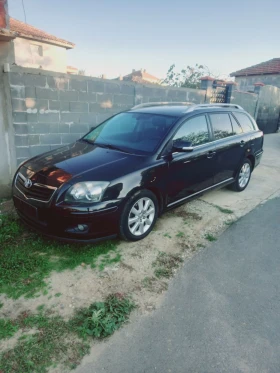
182	146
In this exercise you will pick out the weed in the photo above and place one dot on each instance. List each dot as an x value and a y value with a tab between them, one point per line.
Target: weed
223	210
41	307
25	261
58	341
1	305
7	328
180	234
101	319
167	235
200	245
57	295
210	237
166	263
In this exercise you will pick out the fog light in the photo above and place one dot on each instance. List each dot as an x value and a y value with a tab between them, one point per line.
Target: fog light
82	227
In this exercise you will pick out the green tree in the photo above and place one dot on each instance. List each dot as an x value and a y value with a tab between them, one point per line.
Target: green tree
188	77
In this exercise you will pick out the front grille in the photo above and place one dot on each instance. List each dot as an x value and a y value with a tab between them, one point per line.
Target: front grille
37	191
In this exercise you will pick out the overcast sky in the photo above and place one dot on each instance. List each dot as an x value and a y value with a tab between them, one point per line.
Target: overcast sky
115	36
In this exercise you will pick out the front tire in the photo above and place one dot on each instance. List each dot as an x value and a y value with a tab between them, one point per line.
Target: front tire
243	176
139	216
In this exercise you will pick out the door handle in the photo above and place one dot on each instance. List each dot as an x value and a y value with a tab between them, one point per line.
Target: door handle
242	143
210	154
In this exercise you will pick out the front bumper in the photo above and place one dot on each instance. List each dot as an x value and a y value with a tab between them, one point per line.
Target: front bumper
64	222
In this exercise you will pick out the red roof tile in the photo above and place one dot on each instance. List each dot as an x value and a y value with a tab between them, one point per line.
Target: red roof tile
24	30
207	78
268	67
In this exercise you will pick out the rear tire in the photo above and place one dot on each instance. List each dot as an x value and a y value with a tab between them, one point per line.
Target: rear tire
139	216
243	176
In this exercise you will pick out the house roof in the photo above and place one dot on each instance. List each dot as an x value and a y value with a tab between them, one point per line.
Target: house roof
268	67
140	76
27	31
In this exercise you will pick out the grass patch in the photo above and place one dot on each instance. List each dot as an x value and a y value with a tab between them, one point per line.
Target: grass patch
7	329
166	263
223	210
210	237
180	234
167	235
57	295
27	259
57	341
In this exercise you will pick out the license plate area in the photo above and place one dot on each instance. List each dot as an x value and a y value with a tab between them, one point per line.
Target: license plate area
26	208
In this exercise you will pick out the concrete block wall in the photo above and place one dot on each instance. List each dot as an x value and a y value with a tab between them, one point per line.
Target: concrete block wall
50	109
249	101
269	109
246	83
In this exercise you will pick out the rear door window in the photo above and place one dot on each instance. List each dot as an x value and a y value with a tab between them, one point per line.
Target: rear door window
221	125
237	129
244	122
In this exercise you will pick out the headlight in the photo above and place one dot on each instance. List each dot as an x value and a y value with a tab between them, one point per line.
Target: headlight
89	191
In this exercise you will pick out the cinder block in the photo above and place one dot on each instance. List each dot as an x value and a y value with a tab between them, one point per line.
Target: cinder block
17	92
48	118
33	80
21	129
22	152
18	105
30	92
39	149
32	118
78	128
112	88
68	138
124	100
50	139
69	117
64	128
171	94
54	105
87	97
68	95
19	117
33	139
79	107
88	118
46	93
40	128
181	95
54	128
21	140
97	108
95	86
64	106
78	85
40	105
16	79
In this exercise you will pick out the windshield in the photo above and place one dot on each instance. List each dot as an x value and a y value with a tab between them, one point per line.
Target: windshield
137	133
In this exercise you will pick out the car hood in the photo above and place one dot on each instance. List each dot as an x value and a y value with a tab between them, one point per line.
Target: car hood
79	162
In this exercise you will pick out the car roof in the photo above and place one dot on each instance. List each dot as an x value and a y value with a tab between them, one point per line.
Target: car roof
184	110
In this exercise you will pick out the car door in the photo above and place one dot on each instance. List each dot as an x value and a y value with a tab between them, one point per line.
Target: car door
231	145
191	172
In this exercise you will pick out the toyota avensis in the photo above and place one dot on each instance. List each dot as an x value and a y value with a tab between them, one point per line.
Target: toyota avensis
124	173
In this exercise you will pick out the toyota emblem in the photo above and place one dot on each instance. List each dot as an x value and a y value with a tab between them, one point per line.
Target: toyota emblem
28	183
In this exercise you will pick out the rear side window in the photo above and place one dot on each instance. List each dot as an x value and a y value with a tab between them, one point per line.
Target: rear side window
221	125
194	131
244	121
237	129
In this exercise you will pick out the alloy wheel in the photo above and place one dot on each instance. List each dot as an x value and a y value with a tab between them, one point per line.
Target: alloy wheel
244	175
141	216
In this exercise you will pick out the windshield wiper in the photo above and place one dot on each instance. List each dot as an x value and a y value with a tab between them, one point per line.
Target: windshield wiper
113	147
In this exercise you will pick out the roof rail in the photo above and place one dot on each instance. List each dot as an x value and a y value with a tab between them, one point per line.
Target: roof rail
147	104
213	106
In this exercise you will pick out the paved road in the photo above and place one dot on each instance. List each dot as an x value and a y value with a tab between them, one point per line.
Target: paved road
221	313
